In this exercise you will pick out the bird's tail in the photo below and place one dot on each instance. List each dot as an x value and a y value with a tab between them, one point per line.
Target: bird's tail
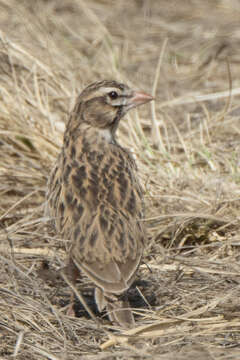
117	307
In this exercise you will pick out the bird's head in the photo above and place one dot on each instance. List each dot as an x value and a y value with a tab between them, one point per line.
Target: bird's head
103	104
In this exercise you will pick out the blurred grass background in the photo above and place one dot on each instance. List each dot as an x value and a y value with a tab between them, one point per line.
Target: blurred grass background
187	148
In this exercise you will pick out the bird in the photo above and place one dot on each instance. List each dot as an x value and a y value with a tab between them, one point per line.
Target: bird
95	199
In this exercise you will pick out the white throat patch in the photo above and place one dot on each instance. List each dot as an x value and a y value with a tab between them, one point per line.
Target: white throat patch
106	134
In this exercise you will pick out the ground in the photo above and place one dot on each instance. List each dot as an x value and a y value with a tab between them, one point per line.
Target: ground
186	53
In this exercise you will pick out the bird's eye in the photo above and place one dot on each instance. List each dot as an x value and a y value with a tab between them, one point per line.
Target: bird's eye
113	95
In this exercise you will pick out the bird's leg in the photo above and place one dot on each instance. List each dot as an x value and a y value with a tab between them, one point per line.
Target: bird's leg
100	299
72	273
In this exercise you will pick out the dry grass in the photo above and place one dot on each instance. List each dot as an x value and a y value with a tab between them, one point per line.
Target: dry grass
188	151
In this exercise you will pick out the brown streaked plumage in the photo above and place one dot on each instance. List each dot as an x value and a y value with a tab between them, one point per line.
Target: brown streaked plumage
95	198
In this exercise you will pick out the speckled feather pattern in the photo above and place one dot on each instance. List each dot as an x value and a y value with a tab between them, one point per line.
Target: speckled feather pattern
94	195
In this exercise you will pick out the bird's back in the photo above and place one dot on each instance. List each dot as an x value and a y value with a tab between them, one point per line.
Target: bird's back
96	201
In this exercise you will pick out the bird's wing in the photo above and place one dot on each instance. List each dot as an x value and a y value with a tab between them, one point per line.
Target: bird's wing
110	256
97	206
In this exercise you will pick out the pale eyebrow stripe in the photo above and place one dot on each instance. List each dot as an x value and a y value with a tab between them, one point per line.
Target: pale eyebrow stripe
109	89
